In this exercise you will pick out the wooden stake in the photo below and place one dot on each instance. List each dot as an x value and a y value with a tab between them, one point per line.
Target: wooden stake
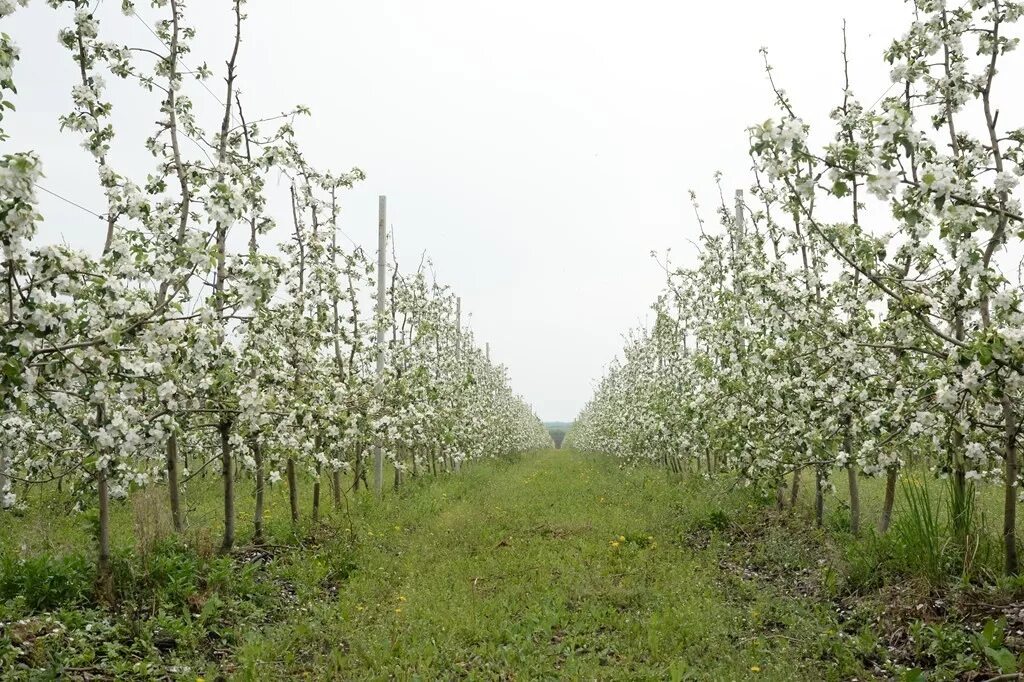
458	327
458	346
382	243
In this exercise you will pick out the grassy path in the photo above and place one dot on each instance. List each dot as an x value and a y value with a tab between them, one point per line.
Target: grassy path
555	567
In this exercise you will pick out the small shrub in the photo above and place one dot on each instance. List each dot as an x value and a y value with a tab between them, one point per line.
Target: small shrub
220	574
867	563
837	519
945	648
46	582
173	573
169	574
716	520
921	544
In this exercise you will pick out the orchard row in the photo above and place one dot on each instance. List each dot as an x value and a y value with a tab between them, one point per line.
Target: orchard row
167	353
862	311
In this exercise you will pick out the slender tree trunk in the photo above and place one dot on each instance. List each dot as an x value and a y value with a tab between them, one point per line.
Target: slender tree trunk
1011	564
361	468
958	502
819	498
257	455
794	491
172	483
227	472
890	499
104	570
851	473
4	459
317	444
780	494
220	284
851	477
961	519
336	479
293	490
183	217
316	496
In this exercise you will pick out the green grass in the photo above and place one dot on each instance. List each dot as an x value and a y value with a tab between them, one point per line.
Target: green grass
988	498
920	541
506	571
552	566
521	572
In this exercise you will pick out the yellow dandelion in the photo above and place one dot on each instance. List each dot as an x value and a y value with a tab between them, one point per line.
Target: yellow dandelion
401	597
622	538
755	668
615	543
398	610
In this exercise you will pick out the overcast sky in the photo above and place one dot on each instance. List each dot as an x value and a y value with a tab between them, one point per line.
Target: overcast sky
539	150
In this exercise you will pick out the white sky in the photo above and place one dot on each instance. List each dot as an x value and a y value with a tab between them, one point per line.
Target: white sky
539	150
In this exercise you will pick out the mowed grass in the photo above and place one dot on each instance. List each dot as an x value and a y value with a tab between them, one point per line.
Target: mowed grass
557	566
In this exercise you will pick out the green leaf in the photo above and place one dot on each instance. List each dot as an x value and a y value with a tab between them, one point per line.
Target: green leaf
998	345
1002	659
12	370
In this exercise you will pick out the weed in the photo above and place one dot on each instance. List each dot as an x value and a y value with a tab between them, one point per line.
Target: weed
46	582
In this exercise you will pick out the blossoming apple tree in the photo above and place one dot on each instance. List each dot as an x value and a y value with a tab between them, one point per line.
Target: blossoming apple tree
168	353
862	310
